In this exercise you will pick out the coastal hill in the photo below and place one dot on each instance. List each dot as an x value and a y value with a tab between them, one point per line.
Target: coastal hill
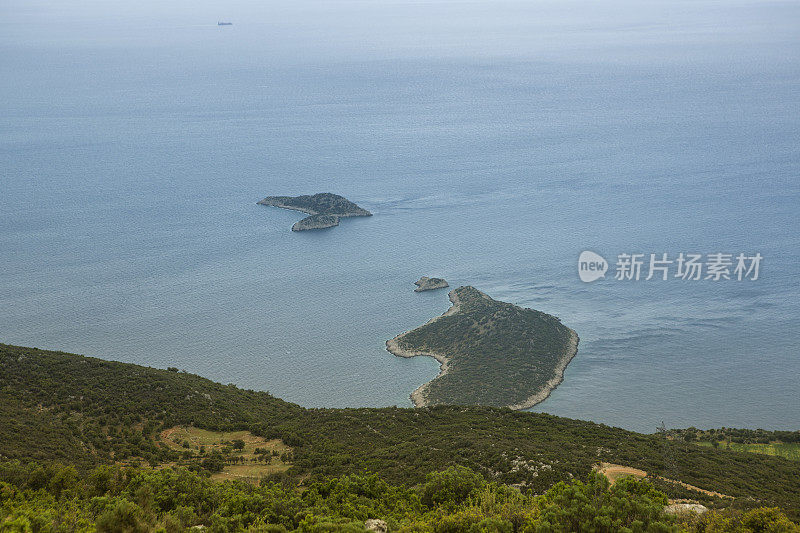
491	353
325	209
98	416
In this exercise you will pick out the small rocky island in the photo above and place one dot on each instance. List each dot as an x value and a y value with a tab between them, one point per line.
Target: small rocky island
324	209
428	284
316	222
491	353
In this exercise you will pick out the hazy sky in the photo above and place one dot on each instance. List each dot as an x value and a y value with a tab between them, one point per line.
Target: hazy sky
310	30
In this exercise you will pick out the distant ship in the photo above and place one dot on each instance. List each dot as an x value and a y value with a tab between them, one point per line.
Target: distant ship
224	23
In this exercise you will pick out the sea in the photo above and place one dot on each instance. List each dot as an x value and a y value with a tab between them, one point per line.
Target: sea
494	141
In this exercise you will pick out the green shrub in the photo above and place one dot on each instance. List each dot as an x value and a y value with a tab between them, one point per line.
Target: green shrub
450	487
124	517
630	506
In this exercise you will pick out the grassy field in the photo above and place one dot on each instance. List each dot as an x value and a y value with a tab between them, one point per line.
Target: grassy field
789	450
248	465
252	473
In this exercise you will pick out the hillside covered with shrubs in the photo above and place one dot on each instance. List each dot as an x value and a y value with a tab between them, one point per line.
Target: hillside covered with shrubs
82	437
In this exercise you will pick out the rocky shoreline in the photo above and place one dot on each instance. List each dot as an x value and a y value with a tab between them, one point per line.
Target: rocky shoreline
316	222
419	396
556	380
272	201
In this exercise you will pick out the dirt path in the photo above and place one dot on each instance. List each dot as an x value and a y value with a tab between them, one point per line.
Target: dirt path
614	472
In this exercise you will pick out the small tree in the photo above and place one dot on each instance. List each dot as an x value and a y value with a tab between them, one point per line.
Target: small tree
214	462
124	517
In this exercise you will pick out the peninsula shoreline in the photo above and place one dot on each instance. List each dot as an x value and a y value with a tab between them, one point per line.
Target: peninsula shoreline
418	396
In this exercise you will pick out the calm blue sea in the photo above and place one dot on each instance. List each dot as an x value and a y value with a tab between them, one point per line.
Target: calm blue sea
493	141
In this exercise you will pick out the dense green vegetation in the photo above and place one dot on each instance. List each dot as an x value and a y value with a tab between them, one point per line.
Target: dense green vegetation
734	435
781	443
498	354
787	450
51	498
85	412
55	406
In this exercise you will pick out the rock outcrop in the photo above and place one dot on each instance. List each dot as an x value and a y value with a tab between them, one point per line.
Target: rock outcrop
429	284
376	525
316	222
685	508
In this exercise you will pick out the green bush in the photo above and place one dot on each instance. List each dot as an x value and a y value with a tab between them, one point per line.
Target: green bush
630	506
124	517
450	487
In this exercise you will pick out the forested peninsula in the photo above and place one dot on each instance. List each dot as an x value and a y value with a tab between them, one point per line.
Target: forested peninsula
491	353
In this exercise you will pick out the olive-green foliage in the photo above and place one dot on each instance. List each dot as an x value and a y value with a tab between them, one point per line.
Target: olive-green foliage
628	507
738	436
451	487
761	520
59	406
471	521
142	500
215	462
87	412
498	354
123	517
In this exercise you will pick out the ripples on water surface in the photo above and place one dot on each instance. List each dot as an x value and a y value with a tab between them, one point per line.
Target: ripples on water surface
492	142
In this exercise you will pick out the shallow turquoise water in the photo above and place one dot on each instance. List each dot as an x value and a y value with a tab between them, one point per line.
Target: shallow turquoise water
492	143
